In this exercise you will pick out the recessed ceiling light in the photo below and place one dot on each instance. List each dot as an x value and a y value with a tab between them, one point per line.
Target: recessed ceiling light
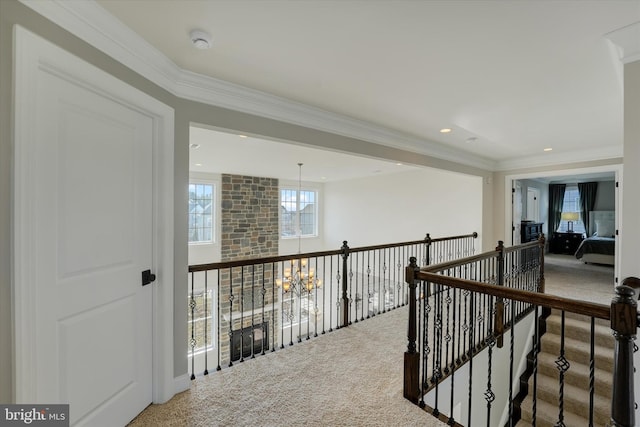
398	164
194	146
548	149
242	136
324	177
445	130
198	164
200	39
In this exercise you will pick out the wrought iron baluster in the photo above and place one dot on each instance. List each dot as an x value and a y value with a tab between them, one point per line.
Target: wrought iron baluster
370	294
273	307
472	305
511	349
331	292
355	255
563	366
447	336
451	420
241	314
426	349
263	293
324	265
316	310
592	369
231	298
351	290
365	297
491	342
192	342
218	316
253	305
536	350
206	321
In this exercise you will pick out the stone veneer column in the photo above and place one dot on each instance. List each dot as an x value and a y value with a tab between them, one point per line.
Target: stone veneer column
249	224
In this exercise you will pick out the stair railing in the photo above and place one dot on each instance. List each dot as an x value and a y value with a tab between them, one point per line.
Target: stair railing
245	308
456	305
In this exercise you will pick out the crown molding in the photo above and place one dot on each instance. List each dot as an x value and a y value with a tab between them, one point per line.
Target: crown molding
93	24
627	40
554	159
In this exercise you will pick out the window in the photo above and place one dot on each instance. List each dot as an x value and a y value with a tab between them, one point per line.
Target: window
571	203
201	213
298	212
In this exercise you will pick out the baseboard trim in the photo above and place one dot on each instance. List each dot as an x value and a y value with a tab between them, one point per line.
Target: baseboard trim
181	383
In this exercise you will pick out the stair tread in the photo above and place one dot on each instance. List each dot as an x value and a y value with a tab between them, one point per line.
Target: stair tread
577	375
576	384
547	414
575	328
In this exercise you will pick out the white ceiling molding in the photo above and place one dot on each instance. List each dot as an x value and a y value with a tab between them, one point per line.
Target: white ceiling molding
627	40
209	90
553	159
90	22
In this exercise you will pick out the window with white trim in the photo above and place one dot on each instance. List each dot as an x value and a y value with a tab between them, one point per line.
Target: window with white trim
298	212
201	209
571	203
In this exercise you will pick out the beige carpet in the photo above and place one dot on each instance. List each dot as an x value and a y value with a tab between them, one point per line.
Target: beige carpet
349	377
568	277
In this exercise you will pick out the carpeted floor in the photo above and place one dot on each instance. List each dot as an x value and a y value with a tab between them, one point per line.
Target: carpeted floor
568	277
349	377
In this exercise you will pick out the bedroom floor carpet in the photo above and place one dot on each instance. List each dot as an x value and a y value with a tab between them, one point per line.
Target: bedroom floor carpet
349	377
568	277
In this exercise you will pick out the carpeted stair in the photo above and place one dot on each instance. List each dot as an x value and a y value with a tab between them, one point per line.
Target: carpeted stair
576	379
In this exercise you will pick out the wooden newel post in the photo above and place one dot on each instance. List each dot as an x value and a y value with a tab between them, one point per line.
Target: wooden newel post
498	327
345	275
624	323
411	356
541	244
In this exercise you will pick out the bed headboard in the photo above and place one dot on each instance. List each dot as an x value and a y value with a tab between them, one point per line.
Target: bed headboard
605	221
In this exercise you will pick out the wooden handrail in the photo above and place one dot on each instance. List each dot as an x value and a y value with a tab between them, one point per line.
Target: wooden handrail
600	311
457	263
269	260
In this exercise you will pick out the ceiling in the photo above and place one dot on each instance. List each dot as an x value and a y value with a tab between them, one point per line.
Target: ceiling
510	78
222	152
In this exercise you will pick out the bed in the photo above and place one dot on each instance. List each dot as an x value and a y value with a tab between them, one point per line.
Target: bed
599	248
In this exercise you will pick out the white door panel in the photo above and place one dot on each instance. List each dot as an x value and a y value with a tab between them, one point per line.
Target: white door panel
87	166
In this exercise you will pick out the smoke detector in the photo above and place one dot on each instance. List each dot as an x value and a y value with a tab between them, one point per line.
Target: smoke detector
200	39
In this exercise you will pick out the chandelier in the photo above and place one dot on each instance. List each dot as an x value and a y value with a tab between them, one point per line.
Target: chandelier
299	277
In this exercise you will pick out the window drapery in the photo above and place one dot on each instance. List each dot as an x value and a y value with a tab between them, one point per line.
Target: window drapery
556	199
587	192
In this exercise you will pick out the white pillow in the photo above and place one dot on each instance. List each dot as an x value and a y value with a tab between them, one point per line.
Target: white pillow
604	229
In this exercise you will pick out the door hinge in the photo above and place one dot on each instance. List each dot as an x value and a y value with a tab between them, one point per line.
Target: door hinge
148	277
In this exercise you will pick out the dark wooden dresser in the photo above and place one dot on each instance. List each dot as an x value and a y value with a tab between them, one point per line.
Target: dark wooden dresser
530	231
565	243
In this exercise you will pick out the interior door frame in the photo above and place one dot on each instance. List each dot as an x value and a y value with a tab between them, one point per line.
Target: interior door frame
32	53
616	169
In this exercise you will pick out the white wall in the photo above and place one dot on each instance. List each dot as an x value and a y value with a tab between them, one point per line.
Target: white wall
203	253
606	196
402	207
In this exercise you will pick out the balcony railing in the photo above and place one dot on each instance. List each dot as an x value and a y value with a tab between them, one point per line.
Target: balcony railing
242	309
461	310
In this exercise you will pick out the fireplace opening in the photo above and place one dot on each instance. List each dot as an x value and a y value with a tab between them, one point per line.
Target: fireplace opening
256	335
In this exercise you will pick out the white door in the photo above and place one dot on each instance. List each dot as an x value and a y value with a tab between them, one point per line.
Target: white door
86	166
516	211
533	204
